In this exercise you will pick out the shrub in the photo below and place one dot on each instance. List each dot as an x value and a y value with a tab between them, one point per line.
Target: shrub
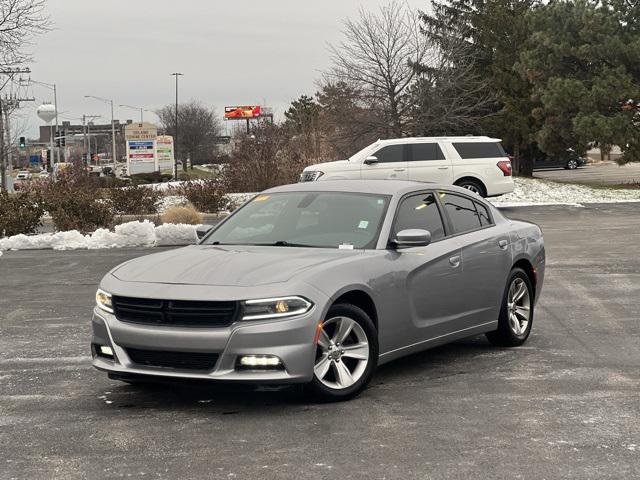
75	204
134	200
207	195
187	214
151	177
20	213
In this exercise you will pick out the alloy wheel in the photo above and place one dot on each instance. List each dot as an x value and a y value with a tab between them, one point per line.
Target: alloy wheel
471	187
519	306
573	164
342	354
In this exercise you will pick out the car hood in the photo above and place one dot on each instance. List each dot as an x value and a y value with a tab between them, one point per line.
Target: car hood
331	165
228	265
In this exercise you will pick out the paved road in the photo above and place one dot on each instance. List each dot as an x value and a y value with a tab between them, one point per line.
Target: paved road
607	173
567	405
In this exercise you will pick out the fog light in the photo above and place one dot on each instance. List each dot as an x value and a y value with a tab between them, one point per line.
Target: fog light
106	351
259	362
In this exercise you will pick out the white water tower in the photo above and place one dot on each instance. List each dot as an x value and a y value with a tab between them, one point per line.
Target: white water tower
47	112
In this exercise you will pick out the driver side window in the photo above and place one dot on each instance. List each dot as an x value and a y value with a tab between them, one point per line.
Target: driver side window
391	154
420	211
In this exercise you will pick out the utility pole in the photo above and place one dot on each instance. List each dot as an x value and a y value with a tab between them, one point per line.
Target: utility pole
9	72
175	140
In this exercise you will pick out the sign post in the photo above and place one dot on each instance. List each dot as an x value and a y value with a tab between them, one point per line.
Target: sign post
164	152
141	148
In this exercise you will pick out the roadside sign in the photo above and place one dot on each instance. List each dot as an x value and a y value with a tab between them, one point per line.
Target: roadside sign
141	147
164	152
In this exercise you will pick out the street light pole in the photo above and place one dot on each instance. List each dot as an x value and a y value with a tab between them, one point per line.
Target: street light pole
175	140
113	125
135	108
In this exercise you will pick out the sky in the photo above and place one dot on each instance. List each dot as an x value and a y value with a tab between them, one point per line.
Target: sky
237	52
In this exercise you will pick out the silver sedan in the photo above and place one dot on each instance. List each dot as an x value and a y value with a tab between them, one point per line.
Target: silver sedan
319	283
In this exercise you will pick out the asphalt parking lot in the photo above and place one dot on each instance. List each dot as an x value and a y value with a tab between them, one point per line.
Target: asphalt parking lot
566	405
605	173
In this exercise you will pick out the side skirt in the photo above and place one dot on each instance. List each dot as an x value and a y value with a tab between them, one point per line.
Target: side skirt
436	341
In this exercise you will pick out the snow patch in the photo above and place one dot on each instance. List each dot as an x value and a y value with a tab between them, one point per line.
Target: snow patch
175	234
130	234
535	192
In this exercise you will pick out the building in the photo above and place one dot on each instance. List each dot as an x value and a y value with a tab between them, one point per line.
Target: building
98	136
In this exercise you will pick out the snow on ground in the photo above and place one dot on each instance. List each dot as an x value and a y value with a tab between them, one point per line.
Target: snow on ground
130	234
531	191
234	200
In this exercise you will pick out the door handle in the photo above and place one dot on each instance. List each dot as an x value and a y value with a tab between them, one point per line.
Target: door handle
455	261
503	244
398	169
443	168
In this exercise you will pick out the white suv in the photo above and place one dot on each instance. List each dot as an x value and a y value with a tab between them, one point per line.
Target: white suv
476	163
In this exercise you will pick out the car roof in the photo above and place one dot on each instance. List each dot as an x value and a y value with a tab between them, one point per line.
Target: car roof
379	187
466	138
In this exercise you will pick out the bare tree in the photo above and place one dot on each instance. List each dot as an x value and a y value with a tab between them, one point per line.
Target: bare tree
198	128
450	97
20	20
376	58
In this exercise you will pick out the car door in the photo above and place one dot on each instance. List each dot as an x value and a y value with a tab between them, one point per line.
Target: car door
390	164
427	163
486	258
430	275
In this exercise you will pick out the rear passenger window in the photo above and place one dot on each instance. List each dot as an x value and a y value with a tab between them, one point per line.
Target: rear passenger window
419	152
485	219
420	211
461	211
480	149
390	154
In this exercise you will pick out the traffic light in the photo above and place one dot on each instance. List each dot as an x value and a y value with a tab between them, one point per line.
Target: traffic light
63	140
23	142
57	137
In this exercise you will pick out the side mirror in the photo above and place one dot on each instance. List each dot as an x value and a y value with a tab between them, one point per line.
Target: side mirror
370	160
412	238
202	230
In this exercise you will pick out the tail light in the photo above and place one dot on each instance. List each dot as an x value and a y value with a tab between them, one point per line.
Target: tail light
505	167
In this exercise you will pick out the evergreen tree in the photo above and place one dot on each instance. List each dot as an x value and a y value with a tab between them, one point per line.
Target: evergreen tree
583	60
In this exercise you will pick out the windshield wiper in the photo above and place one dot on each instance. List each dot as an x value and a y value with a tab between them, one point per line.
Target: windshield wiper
283	243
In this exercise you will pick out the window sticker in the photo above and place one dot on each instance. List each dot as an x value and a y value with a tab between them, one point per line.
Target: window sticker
261	198
345	246
363	224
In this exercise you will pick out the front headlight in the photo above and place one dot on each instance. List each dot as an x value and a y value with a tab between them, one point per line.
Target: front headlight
310	175
103	301
280	307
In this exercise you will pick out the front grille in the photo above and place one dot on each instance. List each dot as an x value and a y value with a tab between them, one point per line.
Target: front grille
178	360
175	313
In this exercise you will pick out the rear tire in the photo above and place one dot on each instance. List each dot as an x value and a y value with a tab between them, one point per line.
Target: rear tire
344	364
474	186
516	317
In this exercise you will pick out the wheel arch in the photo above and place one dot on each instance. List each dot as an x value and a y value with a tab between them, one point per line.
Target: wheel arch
360	299
472	178
527	266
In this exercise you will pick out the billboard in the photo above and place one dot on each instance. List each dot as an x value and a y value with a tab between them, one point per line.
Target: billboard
242	112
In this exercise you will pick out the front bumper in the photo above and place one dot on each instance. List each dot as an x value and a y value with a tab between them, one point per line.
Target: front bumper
291	340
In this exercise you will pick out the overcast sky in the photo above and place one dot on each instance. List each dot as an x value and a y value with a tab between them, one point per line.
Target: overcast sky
231	52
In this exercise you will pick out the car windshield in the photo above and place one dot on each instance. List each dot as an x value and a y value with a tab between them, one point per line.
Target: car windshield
305	219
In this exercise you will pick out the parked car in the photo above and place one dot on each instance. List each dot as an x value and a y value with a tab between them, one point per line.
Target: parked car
24	175
569	161
478	164
319	283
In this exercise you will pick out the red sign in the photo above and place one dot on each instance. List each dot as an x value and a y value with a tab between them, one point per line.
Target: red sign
252	111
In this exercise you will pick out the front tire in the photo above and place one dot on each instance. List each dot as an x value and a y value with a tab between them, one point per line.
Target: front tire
516	313
346	354
571	165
